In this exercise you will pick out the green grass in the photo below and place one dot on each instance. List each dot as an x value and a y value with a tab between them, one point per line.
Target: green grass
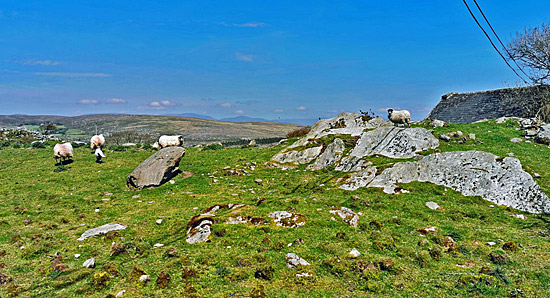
55	204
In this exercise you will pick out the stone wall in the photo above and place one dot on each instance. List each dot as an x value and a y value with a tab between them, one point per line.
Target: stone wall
523	102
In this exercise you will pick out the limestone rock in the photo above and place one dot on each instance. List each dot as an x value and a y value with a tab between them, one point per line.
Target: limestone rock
394	142
473	173
89	263
199	229
347	215
157	169
104	229
543	135
516	140
437	123
359	179
352	164
288	219
298	156
331	155
354	253
432	205
445	138
293	260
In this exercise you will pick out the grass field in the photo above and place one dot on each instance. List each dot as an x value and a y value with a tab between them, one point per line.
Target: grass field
42	213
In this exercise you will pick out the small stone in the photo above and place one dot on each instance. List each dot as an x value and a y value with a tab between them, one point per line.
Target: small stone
76	256
158	245
432	205
472	136
172	182
89	263
445	138
105	200
490	243
145	278
536	175
518	216
293	260
354	253
119	294
304	274
96	210
516	140
511	154
159	221
136	196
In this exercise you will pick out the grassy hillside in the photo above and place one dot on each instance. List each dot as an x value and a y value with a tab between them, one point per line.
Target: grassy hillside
195	130
42	213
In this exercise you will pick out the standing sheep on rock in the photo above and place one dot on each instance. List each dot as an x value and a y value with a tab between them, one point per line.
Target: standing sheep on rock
400	117
167	141
63	152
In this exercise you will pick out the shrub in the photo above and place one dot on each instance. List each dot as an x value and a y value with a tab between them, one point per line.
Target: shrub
300	132
215	146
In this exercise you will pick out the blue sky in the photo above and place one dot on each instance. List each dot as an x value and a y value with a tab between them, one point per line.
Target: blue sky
270	59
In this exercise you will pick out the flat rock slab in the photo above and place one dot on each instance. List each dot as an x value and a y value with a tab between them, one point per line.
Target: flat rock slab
104	229
473	173
293	260
347	215
157	169
394	142
288	219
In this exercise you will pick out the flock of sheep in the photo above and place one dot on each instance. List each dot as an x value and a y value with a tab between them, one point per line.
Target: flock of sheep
63	152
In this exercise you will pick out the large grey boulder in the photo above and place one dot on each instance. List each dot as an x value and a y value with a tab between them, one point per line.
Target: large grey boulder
473	173
394	142
157	169
104	229
331	155
298	156
543	136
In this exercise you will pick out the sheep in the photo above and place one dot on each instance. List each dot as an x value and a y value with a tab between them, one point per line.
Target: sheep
98	155
400	117
167	141
62	151
97	141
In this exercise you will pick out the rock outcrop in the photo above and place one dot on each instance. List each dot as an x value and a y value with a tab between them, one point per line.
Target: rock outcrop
104	229
473	173
157	169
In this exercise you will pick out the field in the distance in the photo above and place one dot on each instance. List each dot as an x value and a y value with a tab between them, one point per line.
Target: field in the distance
42	213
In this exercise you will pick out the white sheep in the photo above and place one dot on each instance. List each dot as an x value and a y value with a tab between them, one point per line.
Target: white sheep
97	141
167	141
62	151
400	117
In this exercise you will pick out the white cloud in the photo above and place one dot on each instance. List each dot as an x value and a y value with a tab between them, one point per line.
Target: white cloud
332	111
250	24
116	100
244	58
302	108
88	101
240	112
225	105
157	105
47	62
74	74
279	111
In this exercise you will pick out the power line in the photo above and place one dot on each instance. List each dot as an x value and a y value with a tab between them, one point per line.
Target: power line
501	43
489	38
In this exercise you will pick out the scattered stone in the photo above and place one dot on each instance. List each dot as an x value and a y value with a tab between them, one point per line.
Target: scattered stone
89	263
136	196
172	182
354	253
536	175
518	216
467	264
490	243
445	138
119	294
359	179
472	136
158	245
543	136
158	221
157	169
199	229
347	215
76	256
530	133
432	205
516	140
259	181
252	143
101	230
304	274
144	278
426	230
437	123
293	260
288	219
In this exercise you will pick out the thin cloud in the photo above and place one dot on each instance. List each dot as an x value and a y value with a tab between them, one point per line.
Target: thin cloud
240	112
279	111
157	105
167	103
35	62
250	25
88	101
244	58
302	108
225	105
74	74
116	100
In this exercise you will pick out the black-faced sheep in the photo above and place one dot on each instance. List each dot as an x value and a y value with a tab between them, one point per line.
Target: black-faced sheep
167	141
97	141
400	117
63	152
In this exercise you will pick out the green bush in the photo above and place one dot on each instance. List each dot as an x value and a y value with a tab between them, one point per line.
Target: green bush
213	147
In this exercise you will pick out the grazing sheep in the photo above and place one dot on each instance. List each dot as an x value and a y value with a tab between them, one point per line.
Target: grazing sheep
98	155
167	141
97	141
400	117
62	151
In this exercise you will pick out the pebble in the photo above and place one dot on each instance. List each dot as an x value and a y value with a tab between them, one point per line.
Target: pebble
432	205
158	245
150	202
136	196
536	175
76	256
490	243
96	210
119	294
145	278
172	182
89	263
354	253
159	221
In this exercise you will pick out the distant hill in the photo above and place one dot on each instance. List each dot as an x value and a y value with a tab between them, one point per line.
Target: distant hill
193	115
193	129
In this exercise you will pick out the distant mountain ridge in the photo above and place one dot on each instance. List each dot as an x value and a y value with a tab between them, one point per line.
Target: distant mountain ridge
241	119
195	130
